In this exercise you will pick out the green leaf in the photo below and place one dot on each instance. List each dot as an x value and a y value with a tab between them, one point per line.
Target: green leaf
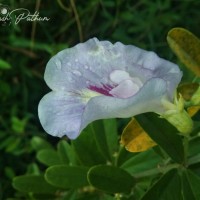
38	143
33	169
5	89
63	148
86	149
110	179
187	47
186	188
143	184
4	64
164	134
7	142
18	125
194	181
14	145
48	157
25	43
140	163
68	151
67	177
112	137
32	183
123	156
194	146
105	133
194	151
9	172
168	187
190	182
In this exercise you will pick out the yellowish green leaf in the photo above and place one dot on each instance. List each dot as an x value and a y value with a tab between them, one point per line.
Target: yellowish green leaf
187	48
193	110
135	139
187	90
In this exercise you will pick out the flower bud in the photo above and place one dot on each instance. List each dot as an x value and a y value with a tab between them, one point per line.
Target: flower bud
177	116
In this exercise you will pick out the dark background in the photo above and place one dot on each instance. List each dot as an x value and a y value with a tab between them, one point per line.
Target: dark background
27	46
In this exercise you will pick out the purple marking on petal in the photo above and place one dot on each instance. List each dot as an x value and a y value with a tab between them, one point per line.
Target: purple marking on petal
105	90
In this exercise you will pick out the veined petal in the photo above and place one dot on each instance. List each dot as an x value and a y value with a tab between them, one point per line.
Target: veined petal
92	63
171	73
81	66
64	114
98	79
148	99
60	114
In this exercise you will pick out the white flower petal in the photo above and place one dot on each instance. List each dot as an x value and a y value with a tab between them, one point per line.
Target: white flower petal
171	73
85	78
92	63
125	89
146	64
148	99
137	81
117	76
60	114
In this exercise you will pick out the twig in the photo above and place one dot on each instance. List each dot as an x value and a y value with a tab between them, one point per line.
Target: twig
77	20
63	6
34	24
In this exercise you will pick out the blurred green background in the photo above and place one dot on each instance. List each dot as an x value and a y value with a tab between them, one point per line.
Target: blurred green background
26	47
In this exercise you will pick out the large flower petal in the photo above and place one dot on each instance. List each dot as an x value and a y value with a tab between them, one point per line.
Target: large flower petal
98	79
91	63
60	114
148	99
63	113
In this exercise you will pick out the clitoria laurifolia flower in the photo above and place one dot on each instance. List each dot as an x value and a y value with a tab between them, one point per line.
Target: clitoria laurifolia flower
98	79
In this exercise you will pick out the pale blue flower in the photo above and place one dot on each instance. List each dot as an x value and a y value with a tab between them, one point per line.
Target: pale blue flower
98	79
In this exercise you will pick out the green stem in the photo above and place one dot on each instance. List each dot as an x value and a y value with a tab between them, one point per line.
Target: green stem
38	2
63	6
155	171
73	5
